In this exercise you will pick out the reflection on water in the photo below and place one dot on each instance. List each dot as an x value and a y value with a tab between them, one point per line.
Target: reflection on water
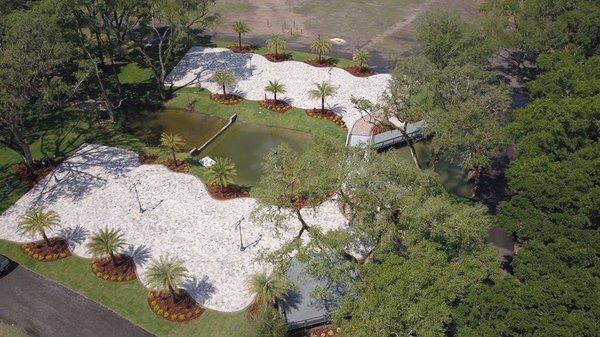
244	143
453	177
194	128
247	145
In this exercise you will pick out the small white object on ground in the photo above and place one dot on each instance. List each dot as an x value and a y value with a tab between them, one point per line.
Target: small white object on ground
160	212
338	41
207	162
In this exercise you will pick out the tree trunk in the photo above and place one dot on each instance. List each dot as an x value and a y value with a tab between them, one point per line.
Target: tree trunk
27	157
240	40
411	146
107	104
114	259
46	239
224	92
174	157
474	176
275	96
305	226
323	104
175	294
413	153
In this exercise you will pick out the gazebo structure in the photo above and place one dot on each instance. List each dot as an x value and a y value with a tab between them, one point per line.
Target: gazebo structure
368	130
299	310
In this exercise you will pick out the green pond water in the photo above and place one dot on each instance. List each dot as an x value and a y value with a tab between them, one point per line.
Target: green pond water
452	176
244	143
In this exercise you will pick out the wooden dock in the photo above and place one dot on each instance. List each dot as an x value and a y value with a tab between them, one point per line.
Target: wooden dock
196	151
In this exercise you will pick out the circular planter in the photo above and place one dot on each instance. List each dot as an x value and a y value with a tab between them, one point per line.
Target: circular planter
279	57
327	115
180	166
328	62
243	50
40	251
228	99
230	192
360	71
164	306
275	105
104	269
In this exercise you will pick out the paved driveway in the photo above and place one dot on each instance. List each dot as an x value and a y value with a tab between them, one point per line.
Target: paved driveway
43	308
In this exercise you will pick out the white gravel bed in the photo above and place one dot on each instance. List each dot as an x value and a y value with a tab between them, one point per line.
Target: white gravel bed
254	71
99	186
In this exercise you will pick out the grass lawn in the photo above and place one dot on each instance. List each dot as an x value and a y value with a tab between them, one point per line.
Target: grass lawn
250	112
128	299
7	330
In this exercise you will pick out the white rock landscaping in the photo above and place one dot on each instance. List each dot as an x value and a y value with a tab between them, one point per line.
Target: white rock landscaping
160	213
254	71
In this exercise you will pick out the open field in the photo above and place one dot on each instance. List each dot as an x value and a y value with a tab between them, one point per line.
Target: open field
386	26
7	330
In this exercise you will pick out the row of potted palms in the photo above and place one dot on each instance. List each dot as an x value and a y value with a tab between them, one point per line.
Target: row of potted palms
321	91
163	275
321	46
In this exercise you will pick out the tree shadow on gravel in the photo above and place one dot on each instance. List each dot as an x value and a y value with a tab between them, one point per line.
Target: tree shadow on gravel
78	175
200	289
74	235
140	254
203	65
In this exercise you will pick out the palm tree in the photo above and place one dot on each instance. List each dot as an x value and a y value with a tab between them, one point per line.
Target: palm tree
172	142
268	288
166	274
223	78
321	46
240	28
276	45
38	221
107	242
222	172
275	87
361	57
322	91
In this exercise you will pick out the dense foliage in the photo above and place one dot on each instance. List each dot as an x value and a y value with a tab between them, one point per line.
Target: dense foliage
554	289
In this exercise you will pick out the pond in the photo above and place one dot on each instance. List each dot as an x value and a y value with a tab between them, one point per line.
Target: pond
244	143
247	144
453	177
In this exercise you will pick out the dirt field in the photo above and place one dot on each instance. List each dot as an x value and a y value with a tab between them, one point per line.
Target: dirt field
386	26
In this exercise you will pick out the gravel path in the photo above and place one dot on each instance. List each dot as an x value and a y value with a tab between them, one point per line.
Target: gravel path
160	213
253	72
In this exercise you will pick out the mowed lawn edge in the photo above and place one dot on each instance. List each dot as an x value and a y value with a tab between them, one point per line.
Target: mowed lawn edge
127	299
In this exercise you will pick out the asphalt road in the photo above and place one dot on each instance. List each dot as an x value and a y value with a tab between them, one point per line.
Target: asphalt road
43	308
